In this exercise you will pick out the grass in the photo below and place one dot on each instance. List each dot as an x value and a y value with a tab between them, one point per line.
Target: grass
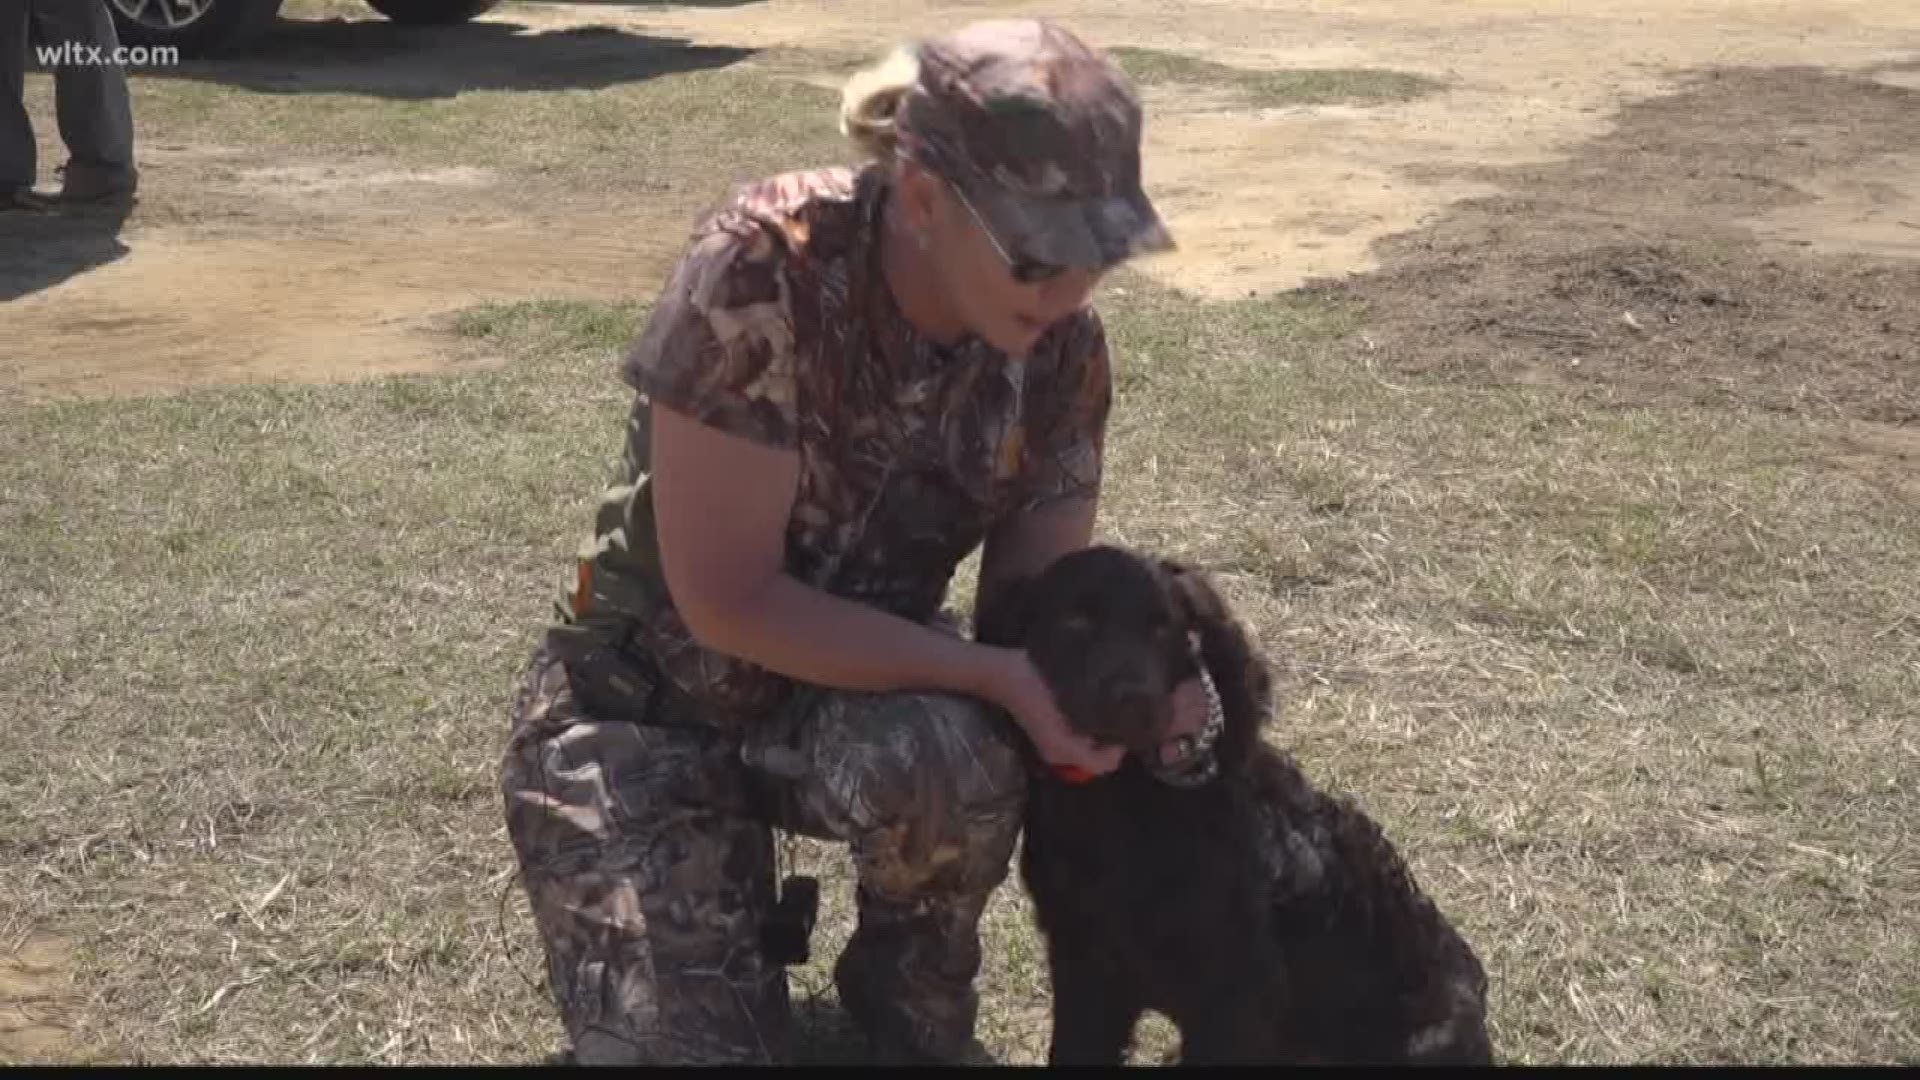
1631	696
1632	687
1274	88
611	135
599	108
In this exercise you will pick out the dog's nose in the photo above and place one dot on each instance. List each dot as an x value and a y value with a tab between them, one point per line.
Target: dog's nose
1129	688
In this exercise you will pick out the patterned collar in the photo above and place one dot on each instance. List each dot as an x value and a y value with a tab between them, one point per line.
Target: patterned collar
1196	763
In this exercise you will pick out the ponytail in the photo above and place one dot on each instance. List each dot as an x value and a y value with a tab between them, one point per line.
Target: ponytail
871	100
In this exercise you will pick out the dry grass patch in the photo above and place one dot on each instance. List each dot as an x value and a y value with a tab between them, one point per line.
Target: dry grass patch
1629	686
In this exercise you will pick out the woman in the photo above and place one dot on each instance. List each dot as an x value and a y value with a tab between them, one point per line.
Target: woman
852	379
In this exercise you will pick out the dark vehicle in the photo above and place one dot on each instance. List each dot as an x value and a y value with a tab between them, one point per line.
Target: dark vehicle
202	27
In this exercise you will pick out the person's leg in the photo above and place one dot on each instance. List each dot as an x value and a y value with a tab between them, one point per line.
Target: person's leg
928	789
18	158
649	878
91	99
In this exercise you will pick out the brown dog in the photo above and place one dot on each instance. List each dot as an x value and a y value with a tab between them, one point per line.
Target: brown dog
1269	922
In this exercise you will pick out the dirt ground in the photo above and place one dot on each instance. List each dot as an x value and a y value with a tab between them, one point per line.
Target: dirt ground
1749	240
336	271
35	990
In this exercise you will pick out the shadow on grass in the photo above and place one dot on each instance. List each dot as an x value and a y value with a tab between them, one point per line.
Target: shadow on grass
382	59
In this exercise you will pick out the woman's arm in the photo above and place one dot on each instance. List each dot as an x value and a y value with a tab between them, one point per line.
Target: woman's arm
721	504
716	360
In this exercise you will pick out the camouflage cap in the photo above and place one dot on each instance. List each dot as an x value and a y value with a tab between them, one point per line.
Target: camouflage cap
1042	134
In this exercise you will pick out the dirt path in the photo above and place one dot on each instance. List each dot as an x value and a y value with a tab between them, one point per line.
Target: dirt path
35	999
317	284
323	285
1263	200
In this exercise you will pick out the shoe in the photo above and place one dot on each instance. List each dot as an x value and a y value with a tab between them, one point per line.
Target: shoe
82	184
22	197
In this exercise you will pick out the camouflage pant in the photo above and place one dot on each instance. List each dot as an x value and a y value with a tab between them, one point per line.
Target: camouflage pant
648	859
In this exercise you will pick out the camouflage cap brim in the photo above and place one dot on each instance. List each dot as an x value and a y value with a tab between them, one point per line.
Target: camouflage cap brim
1096	232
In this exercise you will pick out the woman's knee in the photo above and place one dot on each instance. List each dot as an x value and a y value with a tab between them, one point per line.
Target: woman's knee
929	788
951	746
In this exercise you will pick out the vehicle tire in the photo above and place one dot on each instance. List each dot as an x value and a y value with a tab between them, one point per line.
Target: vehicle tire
432	12
194	27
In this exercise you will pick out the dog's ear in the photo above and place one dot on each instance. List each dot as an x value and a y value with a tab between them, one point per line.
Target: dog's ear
1000	615
1239	672
1200	606
1224	645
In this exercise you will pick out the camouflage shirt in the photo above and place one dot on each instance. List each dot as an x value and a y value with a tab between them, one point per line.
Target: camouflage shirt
777	325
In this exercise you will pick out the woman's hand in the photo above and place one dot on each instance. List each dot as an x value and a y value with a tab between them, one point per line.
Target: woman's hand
1018	687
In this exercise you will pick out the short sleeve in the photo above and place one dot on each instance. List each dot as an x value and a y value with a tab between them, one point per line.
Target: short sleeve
1067	408
718	345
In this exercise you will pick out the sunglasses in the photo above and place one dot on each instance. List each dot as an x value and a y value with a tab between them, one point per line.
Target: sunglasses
1027	271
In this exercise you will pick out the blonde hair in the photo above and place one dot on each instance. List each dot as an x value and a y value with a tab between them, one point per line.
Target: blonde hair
871	100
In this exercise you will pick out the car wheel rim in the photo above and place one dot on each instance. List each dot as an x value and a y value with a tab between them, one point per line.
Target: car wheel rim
164	14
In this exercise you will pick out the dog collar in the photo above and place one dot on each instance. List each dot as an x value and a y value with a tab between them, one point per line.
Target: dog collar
1195	762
